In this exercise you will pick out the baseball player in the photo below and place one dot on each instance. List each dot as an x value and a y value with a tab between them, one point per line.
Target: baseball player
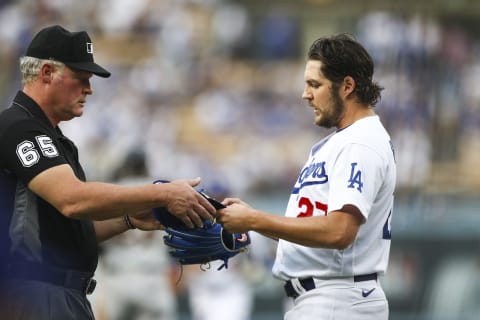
51	218
334	239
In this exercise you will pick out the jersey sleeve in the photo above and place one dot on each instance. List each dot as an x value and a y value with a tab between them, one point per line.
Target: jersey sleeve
28	149
355	178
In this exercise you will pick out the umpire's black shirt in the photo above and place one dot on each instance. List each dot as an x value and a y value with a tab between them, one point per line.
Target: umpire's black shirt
30	228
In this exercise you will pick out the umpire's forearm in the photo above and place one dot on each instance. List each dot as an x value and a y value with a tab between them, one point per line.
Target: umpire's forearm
109	228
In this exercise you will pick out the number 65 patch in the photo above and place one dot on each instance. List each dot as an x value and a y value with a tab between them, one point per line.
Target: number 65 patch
28	154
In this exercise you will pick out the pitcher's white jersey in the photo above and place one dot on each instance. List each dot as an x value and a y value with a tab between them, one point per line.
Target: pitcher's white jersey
354	166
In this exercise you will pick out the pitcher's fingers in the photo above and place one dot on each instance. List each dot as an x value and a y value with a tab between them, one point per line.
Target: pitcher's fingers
229	201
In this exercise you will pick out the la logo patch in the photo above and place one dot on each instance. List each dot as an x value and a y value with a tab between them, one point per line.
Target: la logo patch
355	178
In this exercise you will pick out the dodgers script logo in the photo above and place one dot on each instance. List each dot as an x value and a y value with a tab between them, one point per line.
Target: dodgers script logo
315	173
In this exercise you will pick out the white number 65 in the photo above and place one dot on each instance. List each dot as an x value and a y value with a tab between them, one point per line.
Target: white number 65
28	154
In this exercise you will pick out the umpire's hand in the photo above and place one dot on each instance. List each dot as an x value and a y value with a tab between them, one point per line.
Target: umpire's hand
187	204
145	220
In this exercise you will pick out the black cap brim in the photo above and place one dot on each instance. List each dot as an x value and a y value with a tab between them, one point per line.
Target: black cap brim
89	67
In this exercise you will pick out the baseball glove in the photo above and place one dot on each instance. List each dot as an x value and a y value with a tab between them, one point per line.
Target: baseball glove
200	245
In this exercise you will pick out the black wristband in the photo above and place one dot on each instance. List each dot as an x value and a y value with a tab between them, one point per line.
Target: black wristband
129	223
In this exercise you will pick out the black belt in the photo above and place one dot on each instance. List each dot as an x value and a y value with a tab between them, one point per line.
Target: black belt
309	284
72	279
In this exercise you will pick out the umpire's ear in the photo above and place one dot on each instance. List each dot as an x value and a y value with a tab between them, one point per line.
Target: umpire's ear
46	72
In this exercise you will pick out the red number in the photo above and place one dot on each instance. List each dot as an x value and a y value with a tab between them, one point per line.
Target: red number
307	207
322	206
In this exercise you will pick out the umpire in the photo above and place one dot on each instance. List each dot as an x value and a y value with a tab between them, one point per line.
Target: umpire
51	219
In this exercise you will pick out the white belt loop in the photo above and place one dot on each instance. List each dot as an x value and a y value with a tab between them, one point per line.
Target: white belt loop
297	286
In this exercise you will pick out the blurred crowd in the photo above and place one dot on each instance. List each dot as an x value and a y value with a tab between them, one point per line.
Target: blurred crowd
211	88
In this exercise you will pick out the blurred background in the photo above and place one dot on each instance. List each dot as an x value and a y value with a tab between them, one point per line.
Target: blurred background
212	88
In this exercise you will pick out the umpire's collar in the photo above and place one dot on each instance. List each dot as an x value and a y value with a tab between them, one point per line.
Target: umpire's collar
22	100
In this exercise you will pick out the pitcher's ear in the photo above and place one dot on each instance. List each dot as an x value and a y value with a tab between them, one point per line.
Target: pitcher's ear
348	85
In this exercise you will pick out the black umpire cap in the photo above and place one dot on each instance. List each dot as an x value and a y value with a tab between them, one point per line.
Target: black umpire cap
74	49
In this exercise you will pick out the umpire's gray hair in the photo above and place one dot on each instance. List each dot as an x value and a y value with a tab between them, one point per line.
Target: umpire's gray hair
30	67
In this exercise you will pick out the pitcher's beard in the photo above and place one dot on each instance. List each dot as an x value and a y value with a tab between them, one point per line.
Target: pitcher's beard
332	118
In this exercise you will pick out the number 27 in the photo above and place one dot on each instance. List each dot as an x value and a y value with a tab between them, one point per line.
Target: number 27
308	207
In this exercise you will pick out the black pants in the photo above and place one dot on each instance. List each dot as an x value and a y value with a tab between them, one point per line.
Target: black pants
36	300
